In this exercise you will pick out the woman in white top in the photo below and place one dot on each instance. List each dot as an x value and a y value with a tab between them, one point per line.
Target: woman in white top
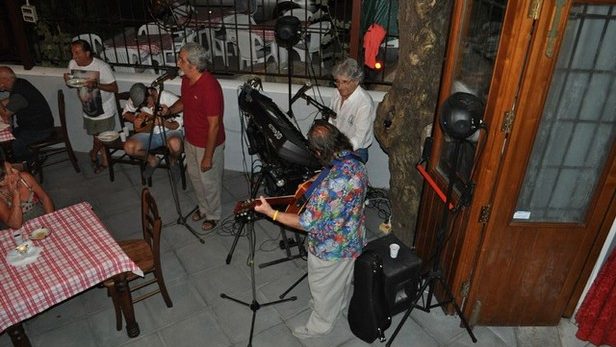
354	107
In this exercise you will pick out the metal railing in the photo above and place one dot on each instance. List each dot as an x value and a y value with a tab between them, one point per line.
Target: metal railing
138	36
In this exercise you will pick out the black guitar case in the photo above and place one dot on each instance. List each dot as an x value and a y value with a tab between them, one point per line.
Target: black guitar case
369	314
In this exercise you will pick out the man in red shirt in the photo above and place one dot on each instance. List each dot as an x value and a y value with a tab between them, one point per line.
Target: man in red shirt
203	106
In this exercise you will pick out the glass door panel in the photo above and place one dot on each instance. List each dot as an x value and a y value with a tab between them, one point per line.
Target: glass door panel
577	126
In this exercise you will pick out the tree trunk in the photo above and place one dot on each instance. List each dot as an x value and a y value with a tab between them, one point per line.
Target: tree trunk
405	116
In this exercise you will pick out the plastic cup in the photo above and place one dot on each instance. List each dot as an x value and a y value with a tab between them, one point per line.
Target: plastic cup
122	136
393	250
18	237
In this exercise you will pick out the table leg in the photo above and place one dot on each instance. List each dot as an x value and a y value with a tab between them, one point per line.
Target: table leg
126	304
18	335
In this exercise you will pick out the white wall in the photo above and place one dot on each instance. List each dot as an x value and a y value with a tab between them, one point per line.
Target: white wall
49	80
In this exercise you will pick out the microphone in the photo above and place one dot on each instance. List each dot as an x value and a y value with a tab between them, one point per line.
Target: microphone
328	112
169	75
301	92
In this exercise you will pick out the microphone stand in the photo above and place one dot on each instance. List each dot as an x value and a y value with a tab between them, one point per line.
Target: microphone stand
174	190
325	111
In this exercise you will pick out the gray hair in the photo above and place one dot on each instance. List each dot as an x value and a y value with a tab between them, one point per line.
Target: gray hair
196	55
349	68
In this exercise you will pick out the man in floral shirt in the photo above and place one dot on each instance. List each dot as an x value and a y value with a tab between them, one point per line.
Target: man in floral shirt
334	220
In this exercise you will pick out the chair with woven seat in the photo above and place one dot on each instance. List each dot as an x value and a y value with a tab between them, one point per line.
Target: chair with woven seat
146	254
48	148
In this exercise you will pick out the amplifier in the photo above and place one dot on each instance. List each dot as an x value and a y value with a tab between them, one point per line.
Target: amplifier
401	274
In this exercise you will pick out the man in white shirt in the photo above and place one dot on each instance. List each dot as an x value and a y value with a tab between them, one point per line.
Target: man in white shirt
96	88
354	107
139	110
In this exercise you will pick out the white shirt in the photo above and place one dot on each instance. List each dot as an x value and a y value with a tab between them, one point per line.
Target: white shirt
166	99
355	117
92	99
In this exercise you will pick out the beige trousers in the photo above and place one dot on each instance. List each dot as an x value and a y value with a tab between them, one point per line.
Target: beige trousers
207	185
330	283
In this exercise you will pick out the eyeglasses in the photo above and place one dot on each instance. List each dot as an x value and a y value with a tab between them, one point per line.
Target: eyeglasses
342	82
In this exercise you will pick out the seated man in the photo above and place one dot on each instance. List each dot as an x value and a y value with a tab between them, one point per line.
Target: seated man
31	110
139	110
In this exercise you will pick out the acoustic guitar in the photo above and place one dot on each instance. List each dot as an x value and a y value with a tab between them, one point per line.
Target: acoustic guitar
295	203
148	121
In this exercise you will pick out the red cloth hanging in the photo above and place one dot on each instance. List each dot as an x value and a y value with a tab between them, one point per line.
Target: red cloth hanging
372	41
596	317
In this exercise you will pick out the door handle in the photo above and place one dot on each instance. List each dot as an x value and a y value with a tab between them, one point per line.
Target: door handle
553	33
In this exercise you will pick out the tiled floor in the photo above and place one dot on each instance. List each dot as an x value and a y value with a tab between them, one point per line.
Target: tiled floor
196	274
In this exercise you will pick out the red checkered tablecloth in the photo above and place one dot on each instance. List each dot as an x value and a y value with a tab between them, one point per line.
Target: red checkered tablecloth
6	135
78	254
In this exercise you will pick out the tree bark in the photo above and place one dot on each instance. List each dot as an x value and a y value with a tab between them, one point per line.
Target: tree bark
405	116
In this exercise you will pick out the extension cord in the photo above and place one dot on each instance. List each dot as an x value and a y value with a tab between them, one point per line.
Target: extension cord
385	228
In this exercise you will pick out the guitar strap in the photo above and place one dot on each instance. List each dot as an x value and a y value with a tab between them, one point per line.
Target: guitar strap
335	163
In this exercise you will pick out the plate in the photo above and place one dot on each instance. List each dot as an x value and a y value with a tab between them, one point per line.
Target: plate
15	258
39	234
76	82
108	136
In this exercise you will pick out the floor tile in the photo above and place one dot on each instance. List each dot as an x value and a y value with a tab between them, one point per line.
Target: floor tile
196	274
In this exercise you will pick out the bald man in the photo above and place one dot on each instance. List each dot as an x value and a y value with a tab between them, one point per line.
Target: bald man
33	117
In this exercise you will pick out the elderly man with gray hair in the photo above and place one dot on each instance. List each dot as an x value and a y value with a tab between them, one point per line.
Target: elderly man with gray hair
354	106
202	102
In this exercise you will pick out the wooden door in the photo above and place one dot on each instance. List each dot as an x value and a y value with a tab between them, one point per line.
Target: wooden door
558	174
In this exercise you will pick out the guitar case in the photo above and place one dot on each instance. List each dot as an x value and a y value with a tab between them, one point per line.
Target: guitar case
369	314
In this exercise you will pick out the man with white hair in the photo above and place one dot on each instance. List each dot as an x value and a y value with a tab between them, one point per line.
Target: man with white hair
203	105
354	107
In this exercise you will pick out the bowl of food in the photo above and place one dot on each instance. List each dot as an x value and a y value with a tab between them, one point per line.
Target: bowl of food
39	234
108	136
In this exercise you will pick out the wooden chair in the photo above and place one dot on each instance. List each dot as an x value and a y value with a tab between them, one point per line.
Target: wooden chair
44	150
146	254
114	151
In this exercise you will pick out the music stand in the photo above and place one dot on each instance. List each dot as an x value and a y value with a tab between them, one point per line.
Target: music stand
173	184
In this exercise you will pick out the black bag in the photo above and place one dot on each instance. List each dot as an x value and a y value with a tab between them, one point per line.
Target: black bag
369	314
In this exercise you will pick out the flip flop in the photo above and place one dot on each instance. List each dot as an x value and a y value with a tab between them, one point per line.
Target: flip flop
197	216
209	224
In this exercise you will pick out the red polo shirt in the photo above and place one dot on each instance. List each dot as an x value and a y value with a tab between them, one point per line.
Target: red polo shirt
201	101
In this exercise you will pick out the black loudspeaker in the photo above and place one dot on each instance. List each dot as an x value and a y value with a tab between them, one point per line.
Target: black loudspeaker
461	115
401	274
287	31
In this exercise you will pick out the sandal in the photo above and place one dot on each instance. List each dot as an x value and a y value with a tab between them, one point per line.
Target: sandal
208	224
197	216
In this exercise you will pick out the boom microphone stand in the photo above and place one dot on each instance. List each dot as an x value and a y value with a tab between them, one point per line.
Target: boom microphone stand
435	275
254	305
173	184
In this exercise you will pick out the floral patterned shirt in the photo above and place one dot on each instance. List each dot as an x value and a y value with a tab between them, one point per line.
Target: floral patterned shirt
334	215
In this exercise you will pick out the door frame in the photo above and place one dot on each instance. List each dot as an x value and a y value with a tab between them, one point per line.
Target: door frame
540	79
